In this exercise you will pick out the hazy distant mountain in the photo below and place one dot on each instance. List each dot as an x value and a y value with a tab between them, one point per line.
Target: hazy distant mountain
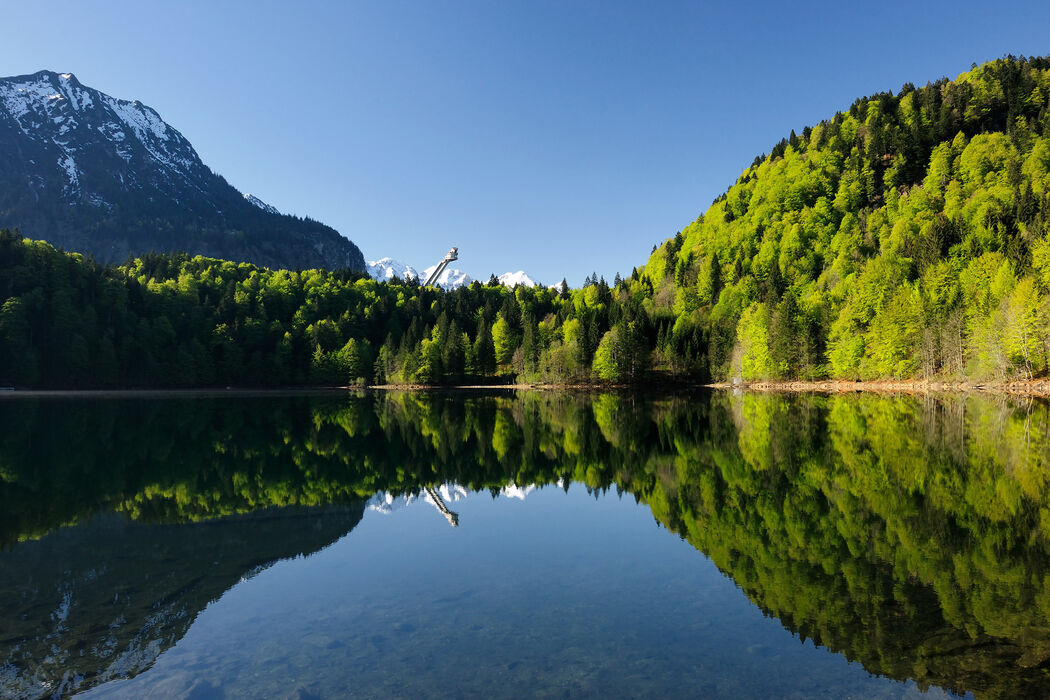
388	268
109	177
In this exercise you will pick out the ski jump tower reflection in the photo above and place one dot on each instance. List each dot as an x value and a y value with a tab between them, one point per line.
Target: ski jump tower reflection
449	257
434	496
439	503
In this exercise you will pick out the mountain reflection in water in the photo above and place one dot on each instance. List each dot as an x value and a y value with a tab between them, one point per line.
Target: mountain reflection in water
905	534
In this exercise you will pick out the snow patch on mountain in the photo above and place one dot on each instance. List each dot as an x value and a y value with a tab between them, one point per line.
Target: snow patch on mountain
22	99
142	120
153	133
252	199
70	166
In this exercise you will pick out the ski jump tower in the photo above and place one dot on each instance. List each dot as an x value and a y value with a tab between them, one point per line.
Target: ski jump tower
449	257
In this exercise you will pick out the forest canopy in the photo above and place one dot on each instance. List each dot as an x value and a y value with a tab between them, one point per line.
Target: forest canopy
905	237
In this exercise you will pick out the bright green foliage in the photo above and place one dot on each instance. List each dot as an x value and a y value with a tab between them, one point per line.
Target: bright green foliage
607	364
504	340
898	228
753	343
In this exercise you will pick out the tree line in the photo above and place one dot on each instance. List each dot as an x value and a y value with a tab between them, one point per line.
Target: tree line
181	321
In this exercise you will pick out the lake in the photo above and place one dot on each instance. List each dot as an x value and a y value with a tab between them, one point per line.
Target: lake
506	544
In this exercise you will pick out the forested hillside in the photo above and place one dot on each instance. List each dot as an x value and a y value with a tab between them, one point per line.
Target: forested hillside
176	321
904	238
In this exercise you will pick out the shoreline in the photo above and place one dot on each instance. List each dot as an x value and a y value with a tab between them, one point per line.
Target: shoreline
219	392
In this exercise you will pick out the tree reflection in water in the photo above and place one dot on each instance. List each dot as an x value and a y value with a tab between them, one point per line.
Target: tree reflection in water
908	534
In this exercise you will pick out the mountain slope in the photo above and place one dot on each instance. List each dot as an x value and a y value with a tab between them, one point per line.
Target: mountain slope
109	177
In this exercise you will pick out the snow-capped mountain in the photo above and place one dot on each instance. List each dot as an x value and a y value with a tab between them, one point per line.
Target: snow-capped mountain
109	177
440	498
513	279
385	502
388	268
449	279
512	490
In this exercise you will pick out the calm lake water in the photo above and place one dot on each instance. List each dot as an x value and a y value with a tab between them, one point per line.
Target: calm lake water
695	545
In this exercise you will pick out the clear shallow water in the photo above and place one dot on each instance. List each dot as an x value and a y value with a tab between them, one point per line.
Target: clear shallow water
761	547
560	594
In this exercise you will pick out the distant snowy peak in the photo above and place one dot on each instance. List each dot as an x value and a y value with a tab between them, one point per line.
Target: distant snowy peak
385	502
252	199
512	490
387	268
513	279
449	279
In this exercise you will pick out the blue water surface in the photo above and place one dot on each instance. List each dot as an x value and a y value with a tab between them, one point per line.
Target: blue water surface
561	594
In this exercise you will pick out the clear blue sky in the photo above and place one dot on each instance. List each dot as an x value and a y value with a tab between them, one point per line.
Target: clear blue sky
555	136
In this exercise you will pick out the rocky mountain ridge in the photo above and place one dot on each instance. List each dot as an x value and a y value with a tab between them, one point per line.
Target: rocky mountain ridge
110	178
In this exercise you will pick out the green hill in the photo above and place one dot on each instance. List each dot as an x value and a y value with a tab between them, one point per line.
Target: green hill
904	237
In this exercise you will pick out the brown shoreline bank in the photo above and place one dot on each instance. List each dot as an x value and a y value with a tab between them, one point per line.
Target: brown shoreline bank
1035	387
